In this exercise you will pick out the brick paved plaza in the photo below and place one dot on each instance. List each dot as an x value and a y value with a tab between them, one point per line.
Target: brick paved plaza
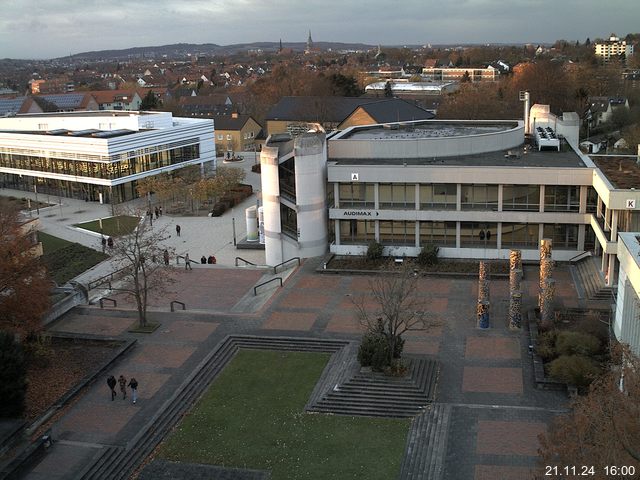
486	375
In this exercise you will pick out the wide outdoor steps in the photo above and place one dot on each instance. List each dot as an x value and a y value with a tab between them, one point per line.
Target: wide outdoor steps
379	395
114	463
427	444
592	280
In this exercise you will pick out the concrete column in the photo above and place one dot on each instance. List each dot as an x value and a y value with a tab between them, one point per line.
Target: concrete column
499	234
417	234
603	267
515	310
607	219
614	225
376	229
546	305
482	314
599	207
336	195
417	196
581	236
541	209
583	199
611	272
376	197
500	197
336	230
458	231
540	232
459	198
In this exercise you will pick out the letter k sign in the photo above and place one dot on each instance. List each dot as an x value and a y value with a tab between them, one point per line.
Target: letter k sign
631	203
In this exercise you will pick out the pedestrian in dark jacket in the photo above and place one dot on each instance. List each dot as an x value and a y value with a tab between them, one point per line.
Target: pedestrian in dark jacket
123	386
133	383
111	381
165	256
110	242
178	230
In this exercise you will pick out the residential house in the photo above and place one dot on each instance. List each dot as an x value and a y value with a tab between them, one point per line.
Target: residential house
613	48
385	111
206	106
64	102
117	99
236	133
601	108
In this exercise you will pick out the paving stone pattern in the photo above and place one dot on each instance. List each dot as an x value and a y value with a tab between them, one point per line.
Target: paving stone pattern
483	424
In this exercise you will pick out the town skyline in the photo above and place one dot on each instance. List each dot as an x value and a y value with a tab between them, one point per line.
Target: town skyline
58	28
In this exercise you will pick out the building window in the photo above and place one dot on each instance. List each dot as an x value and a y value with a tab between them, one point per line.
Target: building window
438	196
521	197
228	136
519	235
474	234
442	234
564	236
287	176
561	198
357	232
220	136
479	197
397	232
356	195
289	221
397	195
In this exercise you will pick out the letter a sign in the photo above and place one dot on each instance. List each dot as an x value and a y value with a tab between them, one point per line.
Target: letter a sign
631	203
354	177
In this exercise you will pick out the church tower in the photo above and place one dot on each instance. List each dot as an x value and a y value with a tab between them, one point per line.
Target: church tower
309	44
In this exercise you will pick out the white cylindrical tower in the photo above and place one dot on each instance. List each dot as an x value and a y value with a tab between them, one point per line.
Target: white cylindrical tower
252	223
271	205
311	194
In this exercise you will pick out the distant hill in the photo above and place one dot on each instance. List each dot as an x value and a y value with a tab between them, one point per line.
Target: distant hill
182	49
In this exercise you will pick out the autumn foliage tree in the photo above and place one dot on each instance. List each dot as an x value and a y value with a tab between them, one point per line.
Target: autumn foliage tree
140	255
24	283
603	427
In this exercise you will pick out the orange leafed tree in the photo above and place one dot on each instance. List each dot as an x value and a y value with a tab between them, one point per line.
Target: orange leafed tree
603	427
24	282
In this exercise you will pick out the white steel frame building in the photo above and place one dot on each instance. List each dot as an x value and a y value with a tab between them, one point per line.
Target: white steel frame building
99	155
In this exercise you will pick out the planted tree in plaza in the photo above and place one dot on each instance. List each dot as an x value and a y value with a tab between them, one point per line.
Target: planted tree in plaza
24	282
394	308
140	255
603	427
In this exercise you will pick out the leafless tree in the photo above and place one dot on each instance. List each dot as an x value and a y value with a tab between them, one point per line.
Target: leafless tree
140	255
398	307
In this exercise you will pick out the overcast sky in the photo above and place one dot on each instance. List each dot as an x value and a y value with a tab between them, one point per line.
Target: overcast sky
54	28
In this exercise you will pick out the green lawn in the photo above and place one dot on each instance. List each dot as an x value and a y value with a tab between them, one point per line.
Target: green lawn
66	260
112	226
252	417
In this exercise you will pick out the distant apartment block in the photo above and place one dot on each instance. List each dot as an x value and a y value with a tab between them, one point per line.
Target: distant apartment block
613	48
446	74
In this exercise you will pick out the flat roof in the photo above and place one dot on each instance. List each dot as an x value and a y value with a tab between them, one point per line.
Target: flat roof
622	172
435	129
90	113
62	132
512	158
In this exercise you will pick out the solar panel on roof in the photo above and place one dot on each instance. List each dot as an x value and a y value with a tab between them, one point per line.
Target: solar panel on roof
82	133
112	133
57	131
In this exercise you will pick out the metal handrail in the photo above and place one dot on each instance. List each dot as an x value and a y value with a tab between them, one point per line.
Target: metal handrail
286	261
105	279
103	299
580	256
255	289
247	262
184	307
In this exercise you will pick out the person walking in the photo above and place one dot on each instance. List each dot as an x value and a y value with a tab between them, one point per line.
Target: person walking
104	243
111	382
178	230
160	210
110	242
165	256
123	386
133	384
187	262
157	212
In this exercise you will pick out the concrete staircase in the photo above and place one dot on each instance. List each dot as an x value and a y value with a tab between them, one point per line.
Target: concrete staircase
589	275
374	394
427	444
116	462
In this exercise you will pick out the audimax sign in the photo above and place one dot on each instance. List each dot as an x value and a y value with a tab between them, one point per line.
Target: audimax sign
360	213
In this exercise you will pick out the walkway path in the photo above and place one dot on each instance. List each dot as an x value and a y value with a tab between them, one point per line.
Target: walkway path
486	379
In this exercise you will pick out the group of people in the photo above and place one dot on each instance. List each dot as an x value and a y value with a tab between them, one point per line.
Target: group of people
211	260
133	385
106	242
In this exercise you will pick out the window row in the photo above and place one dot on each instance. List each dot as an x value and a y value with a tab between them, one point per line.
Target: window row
110	171
443	234
557	198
